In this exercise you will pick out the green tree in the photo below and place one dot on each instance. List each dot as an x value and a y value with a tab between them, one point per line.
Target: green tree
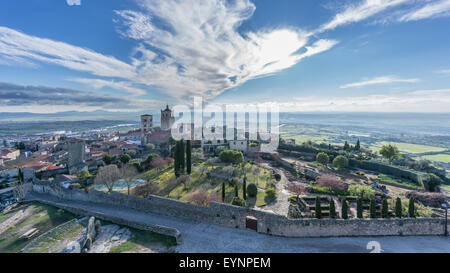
340	162
346	146
318	208
411	208
389	152
252	190
223	191
20	176
244	188
358	145
182	157
236	190
232	157
398	208
332	209
109	159
188	157
373	208
344	209
359	208
322	158
84	174
384	209
176	159
125	158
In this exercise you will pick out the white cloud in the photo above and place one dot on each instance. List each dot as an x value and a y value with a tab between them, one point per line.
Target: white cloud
118	85
430	10
379	80
359	12
198	49
73	2
444	72
20	45
430	92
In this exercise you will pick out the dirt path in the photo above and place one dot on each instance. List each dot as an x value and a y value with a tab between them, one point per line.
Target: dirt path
281	204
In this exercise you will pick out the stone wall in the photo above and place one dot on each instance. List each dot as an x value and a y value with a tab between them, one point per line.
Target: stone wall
235	217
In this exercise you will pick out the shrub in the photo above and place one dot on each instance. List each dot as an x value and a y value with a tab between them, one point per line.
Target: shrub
271	194
340	162
373	208
365	192
252	190
318	209
344	209
428	199
398	207
237	201
230	156
411	208
384	209
147	189
332	209
359	208
322	158
125	158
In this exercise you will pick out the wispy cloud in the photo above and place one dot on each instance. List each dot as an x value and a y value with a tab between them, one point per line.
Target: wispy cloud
195	47
444	72
118	85
430	10
379	80
430	92
359	12
73	2
20	45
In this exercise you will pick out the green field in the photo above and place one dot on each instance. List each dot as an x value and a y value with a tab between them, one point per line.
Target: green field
408	148
439	157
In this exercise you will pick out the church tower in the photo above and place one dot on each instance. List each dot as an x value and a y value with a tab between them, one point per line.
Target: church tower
167	118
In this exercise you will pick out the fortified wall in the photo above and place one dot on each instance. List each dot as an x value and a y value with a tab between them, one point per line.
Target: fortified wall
236	217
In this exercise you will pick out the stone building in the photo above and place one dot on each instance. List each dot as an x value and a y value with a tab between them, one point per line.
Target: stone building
77	157
167	118
146	123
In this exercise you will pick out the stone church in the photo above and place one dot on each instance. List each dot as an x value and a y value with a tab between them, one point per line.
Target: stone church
167	118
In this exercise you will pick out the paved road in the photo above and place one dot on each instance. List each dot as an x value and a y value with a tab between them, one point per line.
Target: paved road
206	238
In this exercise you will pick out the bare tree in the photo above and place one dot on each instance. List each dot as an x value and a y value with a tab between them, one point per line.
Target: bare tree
127	173
331	181
202	198
147	189
297	188
184	179
108	176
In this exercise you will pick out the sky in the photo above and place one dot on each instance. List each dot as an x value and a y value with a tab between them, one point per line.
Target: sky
134	55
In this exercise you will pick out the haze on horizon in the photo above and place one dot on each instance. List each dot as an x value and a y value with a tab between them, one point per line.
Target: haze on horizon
136	55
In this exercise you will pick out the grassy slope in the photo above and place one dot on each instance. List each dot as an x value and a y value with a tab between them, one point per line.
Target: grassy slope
408	148
43	218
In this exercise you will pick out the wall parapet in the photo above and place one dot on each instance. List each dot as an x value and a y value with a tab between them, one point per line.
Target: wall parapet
235	217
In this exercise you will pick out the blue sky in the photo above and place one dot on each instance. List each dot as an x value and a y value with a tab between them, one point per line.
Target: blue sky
365	55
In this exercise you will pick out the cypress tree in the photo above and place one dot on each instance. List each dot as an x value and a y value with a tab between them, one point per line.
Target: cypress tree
182	157
373	208
398	207
244	189
358	145
346	146
223	191
188	156
384	209
359	208
344	209
332	209
176	162
318	208
21	178
411	208
236	190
